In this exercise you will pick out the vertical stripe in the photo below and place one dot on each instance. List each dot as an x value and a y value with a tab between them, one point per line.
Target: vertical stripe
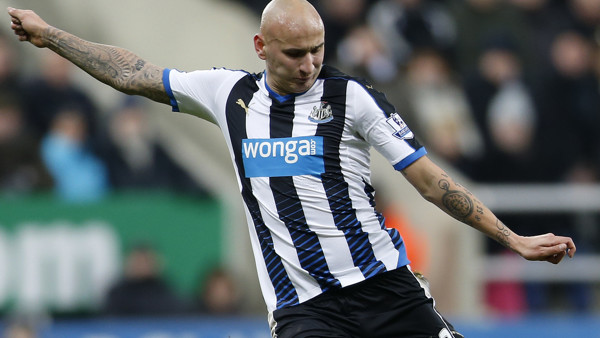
289	206
392	232
236	123
379	97
387	108
336	188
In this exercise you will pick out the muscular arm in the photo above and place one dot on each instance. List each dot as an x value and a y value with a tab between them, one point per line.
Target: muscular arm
437	187
114	66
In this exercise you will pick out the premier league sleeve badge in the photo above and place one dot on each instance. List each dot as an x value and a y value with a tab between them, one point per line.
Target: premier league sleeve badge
400	128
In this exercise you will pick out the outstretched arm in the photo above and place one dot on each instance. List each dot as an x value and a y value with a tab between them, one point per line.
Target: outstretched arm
454	199
114	66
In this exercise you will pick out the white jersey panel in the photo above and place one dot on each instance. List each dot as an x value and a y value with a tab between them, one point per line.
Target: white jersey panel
202	93
316	209
354	163
319	219
257	127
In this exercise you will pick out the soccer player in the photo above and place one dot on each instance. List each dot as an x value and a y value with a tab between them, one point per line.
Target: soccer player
299	135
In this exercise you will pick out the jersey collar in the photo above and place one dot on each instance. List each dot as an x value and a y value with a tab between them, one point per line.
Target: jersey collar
280	98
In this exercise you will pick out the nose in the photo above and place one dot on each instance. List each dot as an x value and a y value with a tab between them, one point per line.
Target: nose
307	65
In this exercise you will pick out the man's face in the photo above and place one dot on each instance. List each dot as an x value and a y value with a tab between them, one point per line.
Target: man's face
294	58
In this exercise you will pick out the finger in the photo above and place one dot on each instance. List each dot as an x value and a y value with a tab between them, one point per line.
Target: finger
21	33
556	240
549	251
18	30
571	248
556	258
12	12
569	243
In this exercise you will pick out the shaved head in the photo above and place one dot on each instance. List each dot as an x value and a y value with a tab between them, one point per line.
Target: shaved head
291	41
283	17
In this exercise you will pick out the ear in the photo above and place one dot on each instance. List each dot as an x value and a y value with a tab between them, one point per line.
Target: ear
259	46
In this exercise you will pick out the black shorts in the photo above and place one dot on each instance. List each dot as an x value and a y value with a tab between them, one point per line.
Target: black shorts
392	304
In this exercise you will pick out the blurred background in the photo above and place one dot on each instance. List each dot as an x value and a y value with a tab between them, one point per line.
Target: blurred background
120	218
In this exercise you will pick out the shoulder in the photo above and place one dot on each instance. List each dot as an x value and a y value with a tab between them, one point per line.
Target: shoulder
332	73
359	87
214	73
359	83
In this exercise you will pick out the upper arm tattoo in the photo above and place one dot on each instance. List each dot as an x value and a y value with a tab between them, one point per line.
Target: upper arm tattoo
117	67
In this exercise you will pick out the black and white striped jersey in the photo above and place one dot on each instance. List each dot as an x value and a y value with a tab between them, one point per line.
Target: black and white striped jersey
302	162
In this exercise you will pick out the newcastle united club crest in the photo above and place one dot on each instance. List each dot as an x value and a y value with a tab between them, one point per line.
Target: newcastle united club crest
322	114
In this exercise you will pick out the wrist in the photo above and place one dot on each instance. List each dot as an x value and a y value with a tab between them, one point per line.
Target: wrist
516	244
48	37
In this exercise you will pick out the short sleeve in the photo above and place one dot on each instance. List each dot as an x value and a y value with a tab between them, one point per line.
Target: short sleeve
382	127
198	92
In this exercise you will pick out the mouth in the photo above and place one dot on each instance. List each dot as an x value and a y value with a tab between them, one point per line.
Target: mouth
304	79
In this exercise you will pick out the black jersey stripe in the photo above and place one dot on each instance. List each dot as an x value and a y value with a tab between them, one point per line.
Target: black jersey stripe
392	232
244	89
336	188
289	207
379	97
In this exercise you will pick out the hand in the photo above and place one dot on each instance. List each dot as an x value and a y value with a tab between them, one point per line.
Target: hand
547	247
28	26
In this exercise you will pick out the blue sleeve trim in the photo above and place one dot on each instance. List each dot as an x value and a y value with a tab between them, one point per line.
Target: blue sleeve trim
167	84
410	159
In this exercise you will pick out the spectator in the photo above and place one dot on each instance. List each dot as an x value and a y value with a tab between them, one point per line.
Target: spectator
19	330
143	290
364	51
21	168
9	77
78	174
504	110
48	94
441	110
135	158
409	25
586	16
340	17
544	20
219	295
569	98
477	20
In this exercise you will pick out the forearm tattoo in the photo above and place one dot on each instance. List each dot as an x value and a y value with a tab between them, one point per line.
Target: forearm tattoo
114	66
502	234
458	203
461	204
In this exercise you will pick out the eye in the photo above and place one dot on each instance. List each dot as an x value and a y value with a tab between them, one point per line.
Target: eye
294	53
316	49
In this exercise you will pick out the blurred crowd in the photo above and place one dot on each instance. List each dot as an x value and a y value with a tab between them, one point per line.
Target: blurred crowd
506	91
54	137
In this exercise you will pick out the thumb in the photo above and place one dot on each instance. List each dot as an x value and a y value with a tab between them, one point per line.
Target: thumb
15	14
12	11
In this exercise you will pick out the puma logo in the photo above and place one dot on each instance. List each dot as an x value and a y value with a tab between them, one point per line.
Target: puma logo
242	104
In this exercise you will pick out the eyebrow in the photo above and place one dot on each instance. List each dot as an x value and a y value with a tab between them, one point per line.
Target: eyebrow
303	50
